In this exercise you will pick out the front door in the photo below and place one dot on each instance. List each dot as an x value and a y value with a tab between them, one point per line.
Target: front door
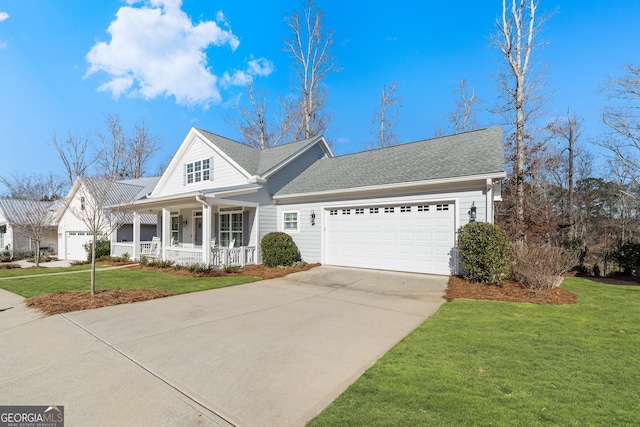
197	232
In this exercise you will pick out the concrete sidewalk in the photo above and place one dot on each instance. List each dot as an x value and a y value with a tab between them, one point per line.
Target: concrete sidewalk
274	352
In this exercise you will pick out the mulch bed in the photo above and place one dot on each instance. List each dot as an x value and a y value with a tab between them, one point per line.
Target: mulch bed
65	302
459	288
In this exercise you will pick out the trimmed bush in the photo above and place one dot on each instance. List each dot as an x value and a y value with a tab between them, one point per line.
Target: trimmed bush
278	248
628	256
103	248
484	253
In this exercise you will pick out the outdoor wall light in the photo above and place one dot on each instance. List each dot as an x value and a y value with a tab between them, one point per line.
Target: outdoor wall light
184	222
472	212
313	218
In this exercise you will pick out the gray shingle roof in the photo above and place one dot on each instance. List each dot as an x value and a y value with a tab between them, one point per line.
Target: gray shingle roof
254	160
472	153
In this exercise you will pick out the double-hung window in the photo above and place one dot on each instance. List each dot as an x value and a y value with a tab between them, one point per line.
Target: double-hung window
198	171
290	221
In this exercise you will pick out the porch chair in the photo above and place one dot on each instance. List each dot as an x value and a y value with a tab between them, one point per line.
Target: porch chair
232	243
154	250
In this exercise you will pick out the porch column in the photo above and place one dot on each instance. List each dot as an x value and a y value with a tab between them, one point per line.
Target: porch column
136	236
489	209
166	231
206	233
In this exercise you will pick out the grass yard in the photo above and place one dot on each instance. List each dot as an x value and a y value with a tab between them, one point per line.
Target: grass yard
125	278
508	364
14	272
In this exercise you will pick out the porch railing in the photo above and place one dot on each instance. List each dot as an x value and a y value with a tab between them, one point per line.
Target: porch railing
241	256
218	258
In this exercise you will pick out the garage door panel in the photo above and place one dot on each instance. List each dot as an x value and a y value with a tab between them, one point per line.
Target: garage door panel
416	238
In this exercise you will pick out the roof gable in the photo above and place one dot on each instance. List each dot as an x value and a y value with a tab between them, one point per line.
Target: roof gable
467	154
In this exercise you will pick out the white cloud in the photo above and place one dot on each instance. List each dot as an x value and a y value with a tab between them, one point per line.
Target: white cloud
260	67
4	16
155	50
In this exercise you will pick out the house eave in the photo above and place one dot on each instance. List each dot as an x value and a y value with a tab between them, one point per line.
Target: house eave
387	187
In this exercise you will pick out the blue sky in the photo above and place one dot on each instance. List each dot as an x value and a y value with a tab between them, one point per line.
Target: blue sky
65	64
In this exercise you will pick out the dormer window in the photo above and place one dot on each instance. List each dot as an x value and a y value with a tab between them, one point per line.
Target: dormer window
198	171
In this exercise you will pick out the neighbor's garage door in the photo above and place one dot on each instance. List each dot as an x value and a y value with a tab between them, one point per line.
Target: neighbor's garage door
413	238
75	242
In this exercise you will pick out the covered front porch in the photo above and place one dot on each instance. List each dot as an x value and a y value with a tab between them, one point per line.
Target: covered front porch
194	230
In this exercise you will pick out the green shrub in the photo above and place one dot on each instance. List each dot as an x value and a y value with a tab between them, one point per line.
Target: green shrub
103	247
231	269
484	253
278	249
628	256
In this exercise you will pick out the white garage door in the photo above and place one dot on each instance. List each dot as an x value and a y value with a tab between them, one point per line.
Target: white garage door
414	238
75	242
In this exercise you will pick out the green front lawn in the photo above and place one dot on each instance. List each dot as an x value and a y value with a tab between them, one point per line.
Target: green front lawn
121	278
14	272
508	364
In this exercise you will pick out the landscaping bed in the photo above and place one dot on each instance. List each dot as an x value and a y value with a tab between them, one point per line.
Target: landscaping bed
459	288
64	302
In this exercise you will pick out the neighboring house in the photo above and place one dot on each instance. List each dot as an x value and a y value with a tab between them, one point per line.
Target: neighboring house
20	219
83	198
395	208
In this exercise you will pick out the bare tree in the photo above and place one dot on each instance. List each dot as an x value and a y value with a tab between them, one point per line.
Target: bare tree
112	158
568	131
517	28
32	219
310	46
256	127
622	119
122	156
34	187
74	155
463	118
142	145
385	118
103	206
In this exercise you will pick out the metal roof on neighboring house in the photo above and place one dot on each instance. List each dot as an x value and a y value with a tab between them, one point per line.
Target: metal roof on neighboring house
474	153
147	185
17	211
254	160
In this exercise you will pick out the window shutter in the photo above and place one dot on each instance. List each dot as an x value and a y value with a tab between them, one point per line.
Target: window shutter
184	174
211	168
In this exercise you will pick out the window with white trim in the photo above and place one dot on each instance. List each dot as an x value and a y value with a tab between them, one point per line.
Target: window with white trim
423	208
442	207
346	211
373	210
333	212
290	221
198	171
389	209
359	211
405	208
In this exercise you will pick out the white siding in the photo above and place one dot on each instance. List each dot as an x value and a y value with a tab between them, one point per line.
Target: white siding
224	174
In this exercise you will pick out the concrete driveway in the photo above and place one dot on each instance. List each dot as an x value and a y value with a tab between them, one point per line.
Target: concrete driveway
270	353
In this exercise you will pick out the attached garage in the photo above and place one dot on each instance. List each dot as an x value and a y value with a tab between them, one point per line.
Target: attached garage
75	245
402	237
